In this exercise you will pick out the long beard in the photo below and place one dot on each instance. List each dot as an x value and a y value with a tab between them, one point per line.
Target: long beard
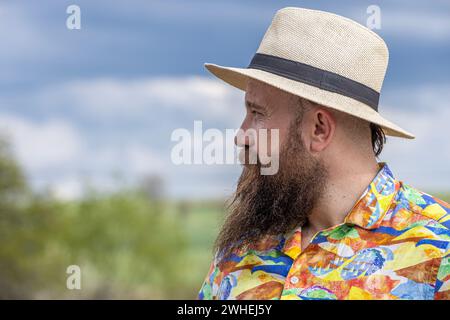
272	205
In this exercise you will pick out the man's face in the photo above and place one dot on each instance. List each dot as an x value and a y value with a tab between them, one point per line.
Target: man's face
269	205
267	109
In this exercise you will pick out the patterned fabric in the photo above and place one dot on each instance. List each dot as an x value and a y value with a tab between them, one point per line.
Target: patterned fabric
394	244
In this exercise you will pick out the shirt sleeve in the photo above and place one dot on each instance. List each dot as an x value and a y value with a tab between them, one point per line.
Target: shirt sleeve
442	286
208	289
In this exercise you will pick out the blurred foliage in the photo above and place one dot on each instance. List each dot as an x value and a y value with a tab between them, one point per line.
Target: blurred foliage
128	244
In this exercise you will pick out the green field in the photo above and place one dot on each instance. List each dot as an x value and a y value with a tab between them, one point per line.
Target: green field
125	247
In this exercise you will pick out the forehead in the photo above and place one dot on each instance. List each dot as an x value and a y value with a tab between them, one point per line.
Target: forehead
267	96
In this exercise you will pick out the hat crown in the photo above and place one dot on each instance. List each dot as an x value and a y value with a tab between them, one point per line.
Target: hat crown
327	41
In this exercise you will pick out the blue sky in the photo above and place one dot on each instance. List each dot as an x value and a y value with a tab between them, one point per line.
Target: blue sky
93	104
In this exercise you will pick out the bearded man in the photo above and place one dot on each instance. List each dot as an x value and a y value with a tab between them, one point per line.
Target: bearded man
333	222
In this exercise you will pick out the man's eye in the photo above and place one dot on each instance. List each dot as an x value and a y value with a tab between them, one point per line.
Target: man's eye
254	112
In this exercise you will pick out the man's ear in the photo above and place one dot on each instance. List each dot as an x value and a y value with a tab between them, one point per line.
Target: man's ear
320	129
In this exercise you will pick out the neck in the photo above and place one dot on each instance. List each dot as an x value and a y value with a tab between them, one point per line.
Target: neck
347	182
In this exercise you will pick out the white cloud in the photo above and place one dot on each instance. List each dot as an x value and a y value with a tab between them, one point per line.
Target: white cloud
426	26
130	159
41	145
67	188
57	156
66	152
142	161
115	98
424	161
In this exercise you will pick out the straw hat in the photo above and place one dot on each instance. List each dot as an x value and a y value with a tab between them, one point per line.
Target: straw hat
322	57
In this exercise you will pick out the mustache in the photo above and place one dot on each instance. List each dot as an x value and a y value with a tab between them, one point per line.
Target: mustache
268	164
249	156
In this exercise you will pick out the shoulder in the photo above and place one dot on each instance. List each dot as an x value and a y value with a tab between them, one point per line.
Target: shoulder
413	209
424	205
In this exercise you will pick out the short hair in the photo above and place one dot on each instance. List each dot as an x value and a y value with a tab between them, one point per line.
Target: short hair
378	138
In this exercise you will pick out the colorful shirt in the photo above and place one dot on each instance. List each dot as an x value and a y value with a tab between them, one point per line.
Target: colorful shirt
393	244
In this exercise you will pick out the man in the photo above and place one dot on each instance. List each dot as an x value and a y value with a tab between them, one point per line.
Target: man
332	223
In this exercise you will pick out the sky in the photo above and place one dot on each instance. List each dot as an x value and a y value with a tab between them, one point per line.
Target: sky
97	106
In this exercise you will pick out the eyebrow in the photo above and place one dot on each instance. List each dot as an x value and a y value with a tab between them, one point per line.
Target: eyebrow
253	105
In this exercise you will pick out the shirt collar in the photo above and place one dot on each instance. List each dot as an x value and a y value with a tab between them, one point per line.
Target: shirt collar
369	211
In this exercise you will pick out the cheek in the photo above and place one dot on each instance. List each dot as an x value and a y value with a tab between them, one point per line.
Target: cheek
259	122
270	141
272	133
278	135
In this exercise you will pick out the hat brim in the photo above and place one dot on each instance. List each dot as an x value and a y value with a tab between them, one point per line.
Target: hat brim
238	77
